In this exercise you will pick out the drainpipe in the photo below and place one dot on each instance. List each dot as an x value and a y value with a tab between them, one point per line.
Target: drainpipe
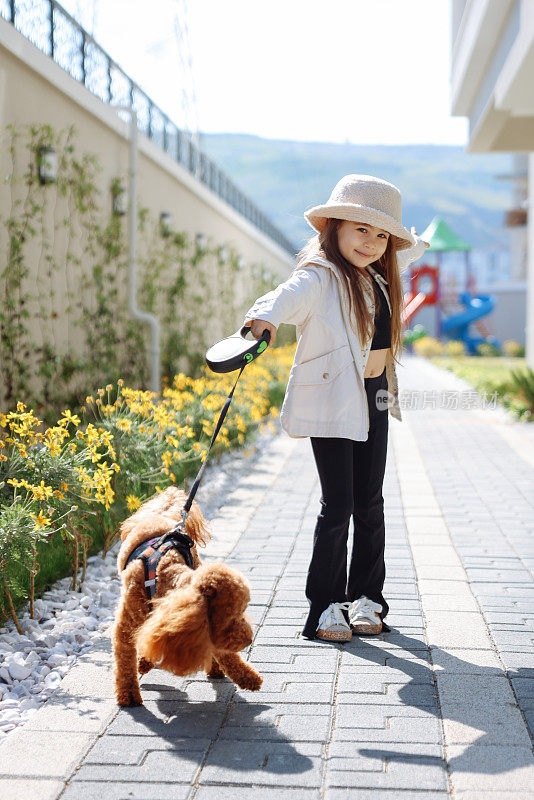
143	316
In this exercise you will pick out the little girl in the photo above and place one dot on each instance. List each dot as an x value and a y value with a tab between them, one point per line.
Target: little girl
345	297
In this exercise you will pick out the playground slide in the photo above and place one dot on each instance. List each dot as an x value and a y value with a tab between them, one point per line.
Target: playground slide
412	304
457	325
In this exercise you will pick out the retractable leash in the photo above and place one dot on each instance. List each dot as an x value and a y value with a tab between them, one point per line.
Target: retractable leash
226	355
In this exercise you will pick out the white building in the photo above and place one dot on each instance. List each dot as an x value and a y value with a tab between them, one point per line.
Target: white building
492	76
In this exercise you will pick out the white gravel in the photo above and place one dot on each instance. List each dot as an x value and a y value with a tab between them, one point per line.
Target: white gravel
32	665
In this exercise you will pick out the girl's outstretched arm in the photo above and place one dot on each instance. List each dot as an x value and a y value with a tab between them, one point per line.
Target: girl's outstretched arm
291	301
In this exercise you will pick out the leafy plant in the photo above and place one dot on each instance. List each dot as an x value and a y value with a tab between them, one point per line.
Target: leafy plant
523	384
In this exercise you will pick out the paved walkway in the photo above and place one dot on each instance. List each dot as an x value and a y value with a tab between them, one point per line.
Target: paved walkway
440	707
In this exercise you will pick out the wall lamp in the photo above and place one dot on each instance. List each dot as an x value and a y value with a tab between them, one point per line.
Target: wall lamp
165	222
118	196
202	241
46	164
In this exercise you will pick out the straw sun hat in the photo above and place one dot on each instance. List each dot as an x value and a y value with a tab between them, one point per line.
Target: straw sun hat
363	198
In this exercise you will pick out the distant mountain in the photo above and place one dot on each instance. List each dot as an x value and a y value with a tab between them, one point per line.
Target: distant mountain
284	178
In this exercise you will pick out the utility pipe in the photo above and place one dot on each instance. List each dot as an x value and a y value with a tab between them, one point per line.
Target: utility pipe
143	316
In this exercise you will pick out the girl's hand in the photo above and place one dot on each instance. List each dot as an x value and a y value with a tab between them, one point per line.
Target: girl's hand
427	244
257	326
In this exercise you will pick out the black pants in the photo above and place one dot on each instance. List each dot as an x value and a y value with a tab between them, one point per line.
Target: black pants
351	475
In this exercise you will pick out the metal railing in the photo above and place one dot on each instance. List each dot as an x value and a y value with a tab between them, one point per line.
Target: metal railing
52	29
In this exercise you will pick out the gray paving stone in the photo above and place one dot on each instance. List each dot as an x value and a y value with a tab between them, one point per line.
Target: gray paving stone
171	766
263	763
466	661
491	767
170	718
377	716
396	729
36	788
377	678
131	750
291	692
354	793
40	754
403	694
397	766
260	793
481	726
110	790
492	690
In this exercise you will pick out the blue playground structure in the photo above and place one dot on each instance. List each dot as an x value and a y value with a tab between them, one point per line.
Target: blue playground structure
457	325
476	306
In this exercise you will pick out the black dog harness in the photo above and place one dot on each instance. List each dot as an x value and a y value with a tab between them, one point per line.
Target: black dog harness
151	550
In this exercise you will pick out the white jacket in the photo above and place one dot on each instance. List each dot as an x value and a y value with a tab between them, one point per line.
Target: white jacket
325	394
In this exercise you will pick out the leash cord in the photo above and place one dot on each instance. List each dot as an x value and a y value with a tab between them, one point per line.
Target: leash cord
189	502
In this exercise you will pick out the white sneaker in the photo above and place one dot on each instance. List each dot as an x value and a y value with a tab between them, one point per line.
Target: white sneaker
363	616
332	624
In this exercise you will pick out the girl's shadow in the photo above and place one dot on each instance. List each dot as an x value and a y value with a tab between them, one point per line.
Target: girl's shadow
498	725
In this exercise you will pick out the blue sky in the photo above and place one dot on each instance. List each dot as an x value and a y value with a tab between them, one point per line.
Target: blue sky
344	70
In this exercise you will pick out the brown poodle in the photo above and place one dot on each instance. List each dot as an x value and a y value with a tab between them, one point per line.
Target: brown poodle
198	618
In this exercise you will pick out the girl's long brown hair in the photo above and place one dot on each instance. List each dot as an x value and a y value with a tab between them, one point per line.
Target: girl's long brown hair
325	244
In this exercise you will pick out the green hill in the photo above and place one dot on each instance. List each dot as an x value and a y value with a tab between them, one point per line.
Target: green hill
284	178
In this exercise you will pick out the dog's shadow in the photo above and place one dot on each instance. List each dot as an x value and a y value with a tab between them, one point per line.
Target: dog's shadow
233	735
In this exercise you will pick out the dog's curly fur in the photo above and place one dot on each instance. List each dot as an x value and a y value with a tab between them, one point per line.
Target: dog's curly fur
198	619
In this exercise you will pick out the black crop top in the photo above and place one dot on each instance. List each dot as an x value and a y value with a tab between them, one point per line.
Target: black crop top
382	337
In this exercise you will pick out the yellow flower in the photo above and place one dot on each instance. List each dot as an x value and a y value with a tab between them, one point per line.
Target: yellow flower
89	399
124	425
42	491
69	417
109	387
133	502
40	520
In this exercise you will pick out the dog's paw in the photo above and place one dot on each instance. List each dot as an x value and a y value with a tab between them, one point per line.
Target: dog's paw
215	671
129	698
251	681
144	666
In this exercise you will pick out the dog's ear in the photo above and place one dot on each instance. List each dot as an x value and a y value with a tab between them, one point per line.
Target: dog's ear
175	636
216	582
196	526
